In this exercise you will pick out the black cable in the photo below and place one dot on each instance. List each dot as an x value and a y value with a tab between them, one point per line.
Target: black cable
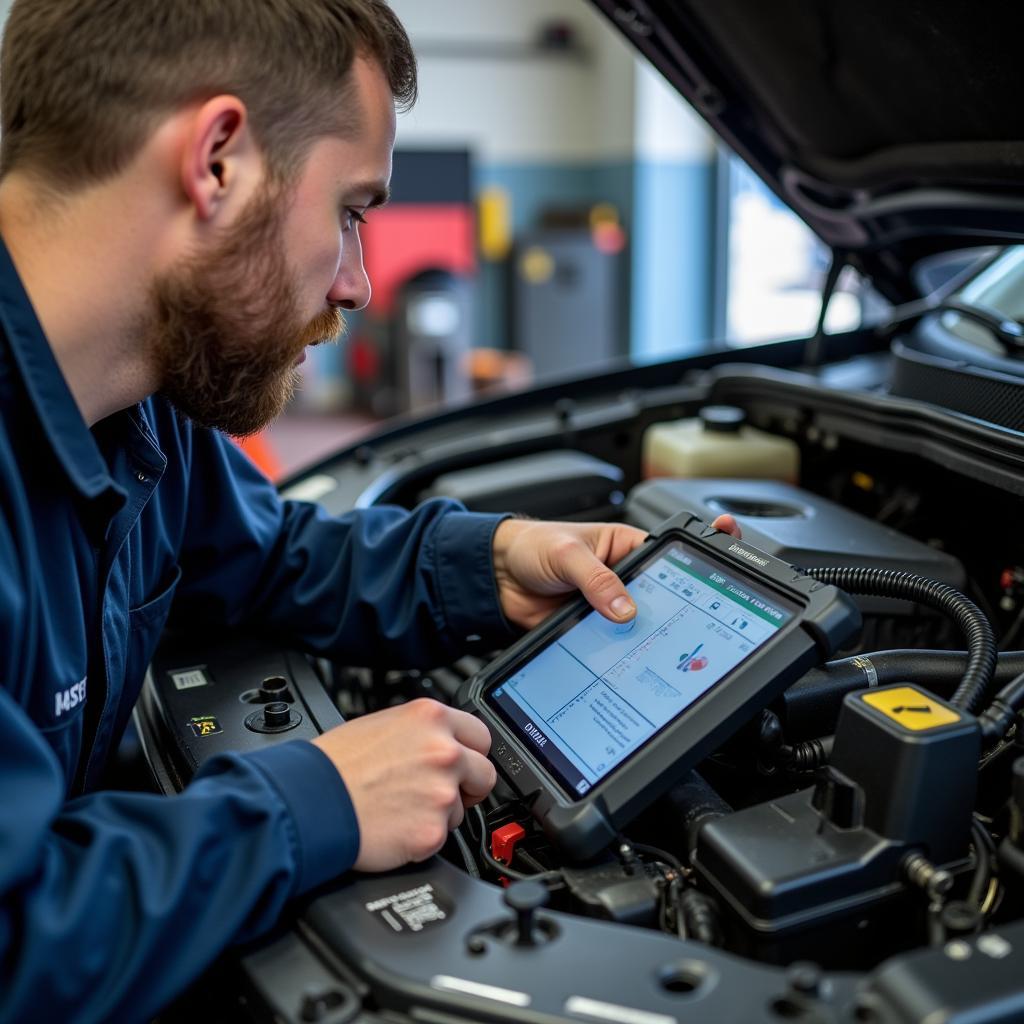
467	854
981	642
530	861
663	855
673	917
985	853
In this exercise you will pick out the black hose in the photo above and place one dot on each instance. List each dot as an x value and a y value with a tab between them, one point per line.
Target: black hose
997	718
693	802
981	642
701	917
810	707
940	670
808	756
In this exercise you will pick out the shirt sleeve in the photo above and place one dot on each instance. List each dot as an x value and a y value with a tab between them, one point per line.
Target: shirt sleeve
112	903
377	587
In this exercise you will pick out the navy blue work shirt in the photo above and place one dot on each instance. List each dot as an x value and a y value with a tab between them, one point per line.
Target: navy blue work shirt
110	903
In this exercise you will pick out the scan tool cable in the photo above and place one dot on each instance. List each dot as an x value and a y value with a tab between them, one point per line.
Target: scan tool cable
981	643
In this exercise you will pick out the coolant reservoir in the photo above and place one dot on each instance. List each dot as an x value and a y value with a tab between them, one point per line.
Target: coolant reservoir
719	443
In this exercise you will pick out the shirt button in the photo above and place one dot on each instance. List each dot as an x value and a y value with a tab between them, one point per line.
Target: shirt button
141	477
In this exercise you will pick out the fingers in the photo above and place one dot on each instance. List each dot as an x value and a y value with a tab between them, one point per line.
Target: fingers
535	561
455	816
478	777
410	772
600	585
727	524
469	731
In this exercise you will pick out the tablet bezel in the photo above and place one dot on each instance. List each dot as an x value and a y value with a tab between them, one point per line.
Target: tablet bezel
581	612
824	620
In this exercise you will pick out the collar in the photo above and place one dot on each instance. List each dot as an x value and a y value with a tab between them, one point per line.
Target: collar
48	391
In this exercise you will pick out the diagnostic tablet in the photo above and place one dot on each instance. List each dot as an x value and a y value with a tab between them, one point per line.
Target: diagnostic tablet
592	720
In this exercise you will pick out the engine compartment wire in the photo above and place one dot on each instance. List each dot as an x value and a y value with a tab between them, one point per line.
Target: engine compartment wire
982	652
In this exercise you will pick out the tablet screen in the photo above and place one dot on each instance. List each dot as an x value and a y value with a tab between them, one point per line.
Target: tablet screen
600	691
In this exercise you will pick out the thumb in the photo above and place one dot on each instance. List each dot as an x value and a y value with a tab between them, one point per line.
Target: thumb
600	586
727	524
608	594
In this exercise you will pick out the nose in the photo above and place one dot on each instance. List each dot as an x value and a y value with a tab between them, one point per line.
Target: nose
351	288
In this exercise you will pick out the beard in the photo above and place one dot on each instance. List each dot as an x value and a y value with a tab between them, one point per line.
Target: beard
225	329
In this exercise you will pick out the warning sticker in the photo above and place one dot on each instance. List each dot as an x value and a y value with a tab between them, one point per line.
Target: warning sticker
204	725
412	910
912	708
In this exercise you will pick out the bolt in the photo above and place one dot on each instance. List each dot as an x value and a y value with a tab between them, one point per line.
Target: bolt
805	978
921	872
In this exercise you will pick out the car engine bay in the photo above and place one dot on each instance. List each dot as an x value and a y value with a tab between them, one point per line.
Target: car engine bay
825	863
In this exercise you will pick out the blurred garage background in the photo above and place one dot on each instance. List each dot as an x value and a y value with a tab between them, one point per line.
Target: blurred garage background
557	208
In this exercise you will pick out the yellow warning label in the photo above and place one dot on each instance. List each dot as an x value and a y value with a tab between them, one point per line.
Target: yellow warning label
204	725
910	707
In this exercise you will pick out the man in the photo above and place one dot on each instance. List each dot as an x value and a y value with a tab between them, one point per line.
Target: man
181	192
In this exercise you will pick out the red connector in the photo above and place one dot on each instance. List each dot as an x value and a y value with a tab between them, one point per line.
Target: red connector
504	840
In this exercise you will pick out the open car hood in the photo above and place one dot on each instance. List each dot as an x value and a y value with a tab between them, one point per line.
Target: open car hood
894	130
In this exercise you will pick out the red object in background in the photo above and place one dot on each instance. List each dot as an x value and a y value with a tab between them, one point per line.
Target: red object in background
363	360
405	238
259	449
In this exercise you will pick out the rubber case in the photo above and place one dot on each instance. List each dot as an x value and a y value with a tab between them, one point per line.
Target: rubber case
824	621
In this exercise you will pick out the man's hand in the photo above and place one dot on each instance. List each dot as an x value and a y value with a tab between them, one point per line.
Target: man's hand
411	772
536	564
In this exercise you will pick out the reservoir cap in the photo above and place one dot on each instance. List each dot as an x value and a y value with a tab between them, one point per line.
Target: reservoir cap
723	419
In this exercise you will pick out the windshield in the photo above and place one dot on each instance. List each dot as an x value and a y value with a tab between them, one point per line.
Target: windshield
1000	286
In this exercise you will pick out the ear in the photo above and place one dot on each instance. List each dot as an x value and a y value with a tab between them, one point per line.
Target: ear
219	158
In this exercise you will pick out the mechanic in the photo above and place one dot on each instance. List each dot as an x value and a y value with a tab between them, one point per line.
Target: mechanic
181	185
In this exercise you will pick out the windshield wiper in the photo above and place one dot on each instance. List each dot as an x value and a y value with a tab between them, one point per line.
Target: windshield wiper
1009	331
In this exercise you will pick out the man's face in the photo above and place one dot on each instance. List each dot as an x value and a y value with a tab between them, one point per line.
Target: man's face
230	325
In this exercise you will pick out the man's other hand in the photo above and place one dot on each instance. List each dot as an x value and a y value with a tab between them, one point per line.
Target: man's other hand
411	771
537	563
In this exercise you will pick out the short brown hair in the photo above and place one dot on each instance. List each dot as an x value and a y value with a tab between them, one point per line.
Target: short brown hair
84	82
